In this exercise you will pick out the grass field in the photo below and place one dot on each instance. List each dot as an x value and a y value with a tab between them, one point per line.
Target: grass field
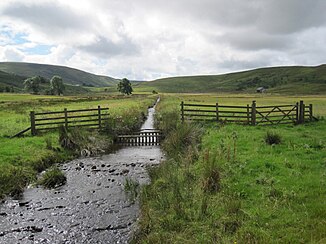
23	157
220	184
283	80
233	187
174	100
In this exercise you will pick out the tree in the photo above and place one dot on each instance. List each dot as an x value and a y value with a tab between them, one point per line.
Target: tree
124	86
56	85
33	84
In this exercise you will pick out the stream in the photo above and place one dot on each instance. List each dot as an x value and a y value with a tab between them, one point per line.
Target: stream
92	207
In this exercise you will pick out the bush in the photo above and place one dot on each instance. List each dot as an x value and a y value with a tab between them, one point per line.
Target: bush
272	138
52	178
180	139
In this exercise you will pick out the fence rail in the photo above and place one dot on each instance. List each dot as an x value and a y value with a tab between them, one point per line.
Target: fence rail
250	114
42	121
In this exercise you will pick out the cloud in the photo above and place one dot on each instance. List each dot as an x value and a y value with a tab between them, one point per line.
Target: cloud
47	16
10	53
148	39
106	48
254	40
289	16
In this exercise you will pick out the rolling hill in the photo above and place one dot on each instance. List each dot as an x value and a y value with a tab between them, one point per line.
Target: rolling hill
287	79
283	80
15	83
69	75
10	81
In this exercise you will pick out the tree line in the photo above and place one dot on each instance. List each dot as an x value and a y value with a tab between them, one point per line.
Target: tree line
34	84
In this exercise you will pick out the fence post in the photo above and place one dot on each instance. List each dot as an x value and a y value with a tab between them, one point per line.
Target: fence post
182	112
297	117
310	112
66	118
253	113
33	128
99	117
301	112
248	114
217	116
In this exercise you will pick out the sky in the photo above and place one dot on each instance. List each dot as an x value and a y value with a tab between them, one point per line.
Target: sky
150	39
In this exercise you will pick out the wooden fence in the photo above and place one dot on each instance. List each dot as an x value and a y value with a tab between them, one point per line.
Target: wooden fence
142	138
68	118
250	114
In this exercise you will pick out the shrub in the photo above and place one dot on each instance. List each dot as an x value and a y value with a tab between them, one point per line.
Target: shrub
52	178
272	138
66	139
180	139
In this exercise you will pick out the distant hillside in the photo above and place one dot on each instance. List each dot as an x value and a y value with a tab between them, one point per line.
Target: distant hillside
7	81
69	75
290	80
15	83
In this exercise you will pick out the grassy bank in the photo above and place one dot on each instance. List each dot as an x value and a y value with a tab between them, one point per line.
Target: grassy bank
232	186
22	158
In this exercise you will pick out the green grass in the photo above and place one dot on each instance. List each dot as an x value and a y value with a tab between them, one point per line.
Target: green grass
172	101
238	188
29	155
52	178
286	80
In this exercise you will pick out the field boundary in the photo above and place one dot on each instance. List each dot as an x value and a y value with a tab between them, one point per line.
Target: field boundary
52	120
297	113
42	121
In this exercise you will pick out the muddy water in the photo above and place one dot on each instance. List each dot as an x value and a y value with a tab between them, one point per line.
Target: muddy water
91	208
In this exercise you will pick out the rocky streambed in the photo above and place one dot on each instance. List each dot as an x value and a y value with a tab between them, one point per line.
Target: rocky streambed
92	207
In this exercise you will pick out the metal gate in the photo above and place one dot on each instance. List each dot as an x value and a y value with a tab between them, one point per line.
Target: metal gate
141	138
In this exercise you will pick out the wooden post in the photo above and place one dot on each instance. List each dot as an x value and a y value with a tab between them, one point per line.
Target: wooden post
253	113
182	112
99	117
33	128
66	118
301	112
297	118
248	114
310	112
217	116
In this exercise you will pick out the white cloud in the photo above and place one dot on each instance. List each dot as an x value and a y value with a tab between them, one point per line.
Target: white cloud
10	53
147	39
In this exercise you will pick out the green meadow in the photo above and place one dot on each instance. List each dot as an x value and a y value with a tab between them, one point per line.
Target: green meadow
226	184
219	183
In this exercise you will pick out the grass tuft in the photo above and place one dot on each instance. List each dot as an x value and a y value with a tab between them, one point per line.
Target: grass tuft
52	178
211	176
131	187
272	138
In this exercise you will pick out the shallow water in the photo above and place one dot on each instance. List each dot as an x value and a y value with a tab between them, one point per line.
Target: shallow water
91	208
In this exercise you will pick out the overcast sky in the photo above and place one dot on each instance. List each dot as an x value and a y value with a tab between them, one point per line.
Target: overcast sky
149	39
